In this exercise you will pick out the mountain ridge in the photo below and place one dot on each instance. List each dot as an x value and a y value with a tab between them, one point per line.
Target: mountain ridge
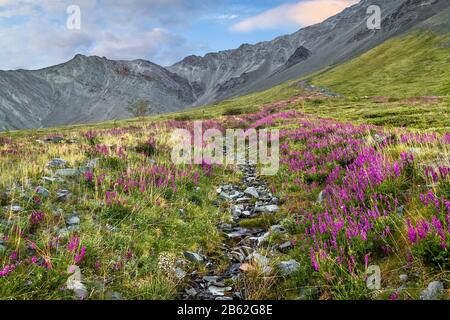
92	89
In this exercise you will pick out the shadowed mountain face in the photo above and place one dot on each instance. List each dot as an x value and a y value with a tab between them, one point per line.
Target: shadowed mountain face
87	89
90	89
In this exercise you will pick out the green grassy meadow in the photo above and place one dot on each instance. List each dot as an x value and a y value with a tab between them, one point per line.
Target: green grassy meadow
138	212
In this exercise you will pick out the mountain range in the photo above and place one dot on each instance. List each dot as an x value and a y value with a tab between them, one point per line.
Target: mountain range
91	89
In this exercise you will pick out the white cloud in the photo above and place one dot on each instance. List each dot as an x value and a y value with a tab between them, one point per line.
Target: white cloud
156	43
116	29
228	17
303	14
18	11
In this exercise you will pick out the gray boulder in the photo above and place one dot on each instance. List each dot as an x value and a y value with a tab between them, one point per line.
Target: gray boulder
219	291
270	209
68	172
73	221
74	282
63	195
434	291
57	163
251	191
288	267
193	257
42	192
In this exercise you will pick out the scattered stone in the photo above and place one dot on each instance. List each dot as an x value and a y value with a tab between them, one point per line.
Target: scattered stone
15	208
191	292
236	210
219	291
243	200
270	209
403	277
278	228
288	267
63	195
434	291
285	246
400	211
180	273
230	195
42	192
251	191
275	200
210	278
242	232
233	269
309	293
54	139
193	257
258	259
264	239
63	233
226	227
246	213
57	163
223	298
321	196
225	196
379	139
114	296
93	163
242	241
74	282
68	172
53	180
401	288
73	221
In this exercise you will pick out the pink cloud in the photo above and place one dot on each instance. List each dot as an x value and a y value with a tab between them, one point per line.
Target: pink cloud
303	14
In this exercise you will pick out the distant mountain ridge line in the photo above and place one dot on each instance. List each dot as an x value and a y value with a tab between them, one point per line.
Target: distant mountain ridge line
92	89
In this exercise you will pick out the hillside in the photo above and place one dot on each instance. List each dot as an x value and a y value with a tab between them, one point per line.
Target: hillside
92	89
100	212
414	65
87	89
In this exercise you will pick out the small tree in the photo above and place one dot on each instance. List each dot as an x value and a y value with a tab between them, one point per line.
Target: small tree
140	108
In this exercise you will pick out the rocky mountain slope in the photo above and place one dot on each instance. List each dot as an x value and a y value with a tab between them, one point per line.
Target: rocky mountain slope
89	89
339	38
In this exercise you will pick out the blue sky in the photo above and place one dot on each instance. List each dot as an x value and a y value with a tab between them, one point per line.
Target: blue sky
34	33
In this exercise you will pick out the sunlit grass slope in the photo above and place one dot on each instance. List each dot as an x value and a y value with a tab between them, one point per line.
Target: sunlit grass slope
414	65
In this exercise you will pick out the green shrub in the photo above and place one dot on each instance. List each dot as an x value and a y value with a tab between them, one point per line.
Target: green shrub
432	253
148	147
116	212
233	112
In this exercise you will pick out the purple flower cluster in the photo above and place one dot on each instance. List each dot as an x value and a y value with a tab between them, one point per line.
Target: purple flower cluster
354	217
